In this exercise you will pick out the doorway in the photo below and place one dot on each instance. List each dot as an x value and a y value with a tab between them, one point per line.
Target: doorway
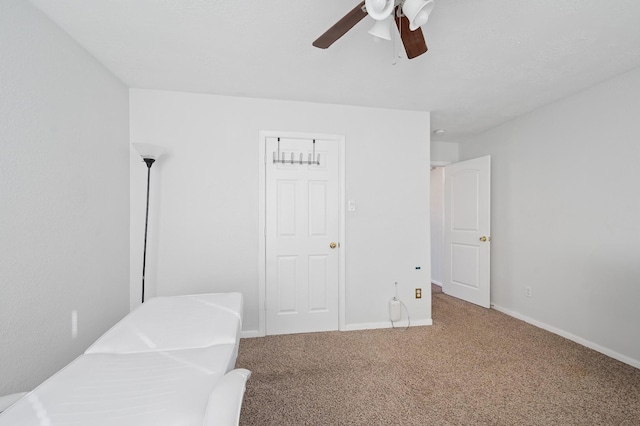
437	225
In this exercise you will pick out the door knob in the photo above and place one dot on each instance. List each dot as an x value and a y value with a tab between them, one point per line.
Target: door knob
483	239
333	245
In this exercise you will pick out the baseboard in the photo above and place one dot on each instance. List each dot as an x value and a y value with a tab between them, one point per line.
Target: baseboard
386	324
249	334
596	347
438	283
422	322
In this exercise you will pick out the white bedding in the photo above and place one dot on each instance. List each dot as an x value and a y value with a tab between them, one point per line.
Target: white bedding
157	366
178	322
151	388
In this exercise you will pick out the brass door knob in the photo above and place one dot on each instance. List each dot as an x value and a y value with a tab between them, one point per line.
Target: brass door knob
483	239
333	245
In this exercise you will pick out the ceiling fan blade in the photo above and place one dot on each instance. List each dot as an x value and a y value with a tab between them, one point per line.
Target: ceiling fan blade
341	27
413	41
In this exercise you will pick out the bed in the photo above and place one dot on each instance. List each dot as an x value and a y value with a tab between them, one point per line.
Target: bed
169	362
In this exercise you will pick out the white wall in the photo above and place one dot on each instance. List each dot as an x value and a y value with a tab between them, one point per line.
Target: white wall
565	216
444	152
204	201
64	202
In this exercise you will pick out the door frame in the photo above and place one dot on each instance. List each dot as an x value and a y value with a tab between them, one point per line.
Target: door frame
262	244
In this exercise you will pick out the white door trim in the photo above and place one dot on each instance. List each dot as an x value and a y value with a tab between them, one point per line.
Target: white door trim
262	245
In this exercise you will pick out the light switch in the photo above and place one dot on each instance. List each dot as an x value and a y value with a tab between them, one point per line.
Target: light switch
351	206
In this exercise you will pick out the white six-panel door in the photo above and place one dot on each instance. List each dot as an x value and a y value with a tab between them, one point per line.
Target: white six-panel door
467	233
302	221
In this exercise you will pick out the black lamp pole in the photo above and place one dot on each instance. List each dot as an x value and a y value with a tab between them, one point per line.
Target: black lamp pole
149	162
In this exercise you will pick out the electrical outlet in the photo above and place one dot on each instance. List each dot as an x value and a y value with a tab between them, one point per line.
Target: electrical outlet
527	291
418	293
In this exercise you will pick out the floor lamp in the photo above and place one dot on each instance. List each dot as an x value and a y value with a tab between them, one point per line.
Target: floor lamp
149	154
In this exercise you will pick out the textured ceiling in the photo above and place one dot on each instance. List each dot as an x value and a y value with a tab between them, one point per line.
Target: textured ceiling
488	61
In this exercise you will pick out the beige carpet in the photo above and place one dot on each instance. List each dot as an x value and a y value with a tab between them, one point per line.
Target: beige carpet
472	367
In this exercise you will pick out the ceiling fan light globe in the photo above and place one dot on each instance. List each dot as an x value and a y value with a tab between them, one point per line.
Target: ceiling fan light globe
417	11
379	9
382	29
421	18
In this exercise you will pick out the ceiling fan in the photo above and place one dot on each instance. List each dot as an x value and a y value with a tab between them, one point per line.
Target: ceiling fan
409	16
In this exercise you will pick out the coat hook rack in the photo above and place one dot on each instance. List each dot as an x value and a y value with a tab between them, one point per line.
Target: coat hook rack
283	158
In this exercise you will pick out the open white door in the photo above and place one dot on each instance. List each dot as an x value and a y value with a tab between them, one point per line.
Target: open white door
467	230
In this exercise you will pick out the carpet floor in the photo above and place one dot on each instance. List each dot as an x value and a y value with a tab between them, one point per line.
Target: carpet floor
474	366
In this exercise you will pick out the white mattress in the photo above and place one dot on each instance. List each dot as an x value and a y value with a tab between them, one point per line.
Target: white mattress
155	367
151	388
177	322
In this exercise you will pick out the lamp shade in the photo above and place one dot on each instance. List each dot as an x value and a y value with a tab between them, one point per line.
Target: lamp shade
382	29
379	9
147	150
417	11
